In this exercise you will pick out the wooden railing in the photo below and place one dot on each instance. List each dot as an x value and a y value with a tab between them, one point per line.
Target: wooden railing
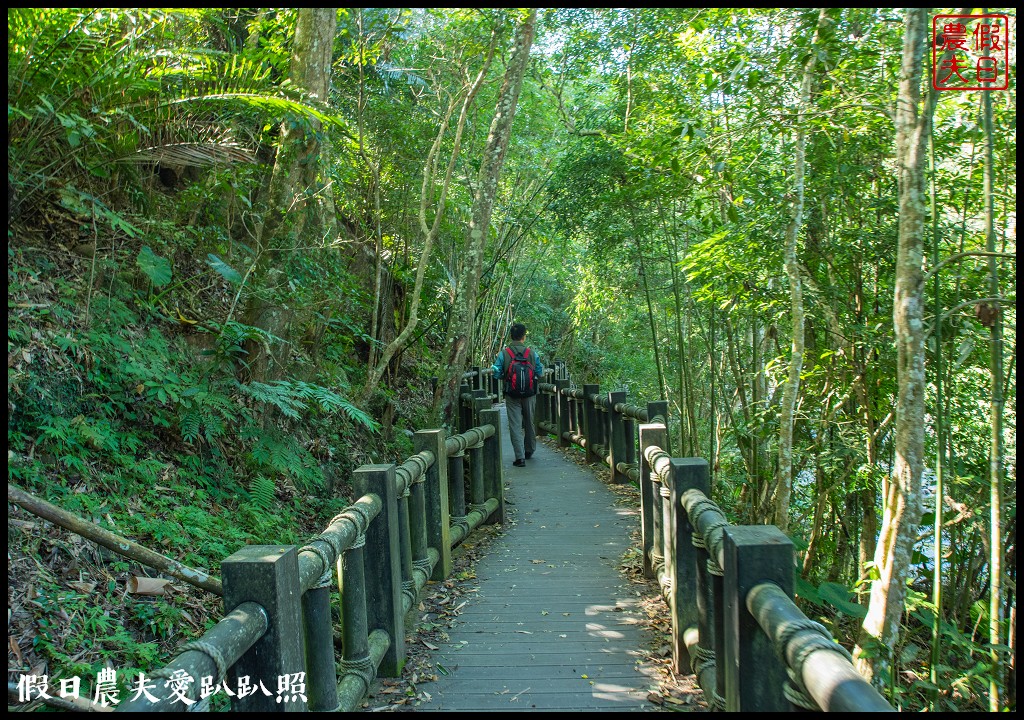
603	425
277	630
729	588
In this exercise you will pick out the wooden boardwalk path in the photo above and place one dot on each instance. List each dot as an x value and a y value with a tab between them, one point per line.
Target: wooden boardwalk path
554	626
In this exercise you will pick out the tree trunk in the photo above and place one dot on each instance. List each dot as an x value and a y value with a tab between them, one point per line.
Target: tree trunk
902	501
995	415
784	481
651	321
483	205
293	182
430	233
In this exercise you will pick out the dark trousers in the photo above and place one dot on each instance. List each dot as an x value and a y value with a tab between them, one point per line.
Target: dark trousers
520	425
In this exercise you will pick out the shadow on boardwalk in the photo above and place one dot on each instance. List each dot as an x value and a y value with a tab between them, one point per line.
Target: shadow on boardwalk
550	624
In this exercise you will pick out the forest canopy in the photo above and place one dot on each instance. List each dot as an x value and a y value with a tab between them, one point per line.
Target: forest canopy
252	249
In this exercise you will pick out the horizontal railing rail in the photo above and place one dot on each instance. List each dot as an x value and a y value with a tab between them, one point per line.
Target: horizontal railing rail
729	588
603	425
277	636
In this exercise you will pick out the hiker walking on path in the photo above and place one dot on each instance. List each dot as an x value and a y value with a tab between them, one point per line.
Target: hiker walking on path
520	368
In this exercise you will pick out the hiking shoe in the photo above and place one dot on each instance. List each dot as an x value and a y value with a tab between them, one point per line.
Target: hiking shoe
529	455
519	463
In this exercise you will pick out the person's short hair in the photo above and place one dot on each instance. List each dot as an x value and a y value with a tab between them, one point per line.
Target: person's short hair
517	331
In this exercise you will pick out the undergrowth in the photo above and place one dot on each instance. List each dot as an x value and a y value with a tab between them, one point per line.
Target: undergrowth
126	414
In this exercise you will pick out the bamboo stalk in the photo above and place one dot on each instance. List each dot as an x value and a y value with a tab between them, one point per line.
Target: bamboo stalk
112	541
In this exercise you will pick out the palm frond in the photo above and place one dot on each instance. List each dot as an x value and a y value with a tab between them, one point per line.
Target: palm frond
193	154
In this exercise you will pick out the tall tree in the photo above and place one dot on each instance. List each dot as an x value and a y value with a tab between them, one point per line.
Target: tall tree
991	316
295	196
902	491
784	481
485	193
428	194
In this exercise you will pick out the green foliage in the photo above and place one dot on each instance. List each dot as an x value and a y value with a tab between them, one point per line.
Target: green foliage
226	271
646	193
156	268
261	493
294	397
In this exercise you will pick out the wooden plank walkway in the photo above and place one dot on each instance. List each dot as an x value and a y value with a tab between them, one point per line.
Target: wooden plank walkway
554	626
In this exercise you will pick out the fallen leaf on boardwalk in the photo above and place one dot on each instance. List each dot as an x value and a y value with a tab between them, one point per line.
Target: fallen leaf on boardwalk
544	612
526	632
655	698
538	562
429	646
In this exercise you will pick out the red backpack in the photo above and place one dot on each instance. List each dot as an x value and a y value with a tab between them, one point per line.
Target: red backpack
520	379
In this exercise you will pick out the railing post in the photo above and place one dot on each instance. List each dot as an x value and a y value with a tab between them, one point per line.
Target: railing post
355	656
493	480
649	435
457	485
617	446
538	411
382	557
629	432
405	547
269	576
480	402
755	676
418	520
571	404
550	414
477	379
465	421
563	411
580	416
659	409
321	674
435	486
590	419
476	476
710	651
687	474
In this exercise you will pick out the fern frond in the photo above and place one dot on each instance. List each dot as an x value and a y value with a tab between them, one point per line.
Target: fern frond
191	422
278	393
213	428
359	416
271	104
330	401
262	492
195	154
